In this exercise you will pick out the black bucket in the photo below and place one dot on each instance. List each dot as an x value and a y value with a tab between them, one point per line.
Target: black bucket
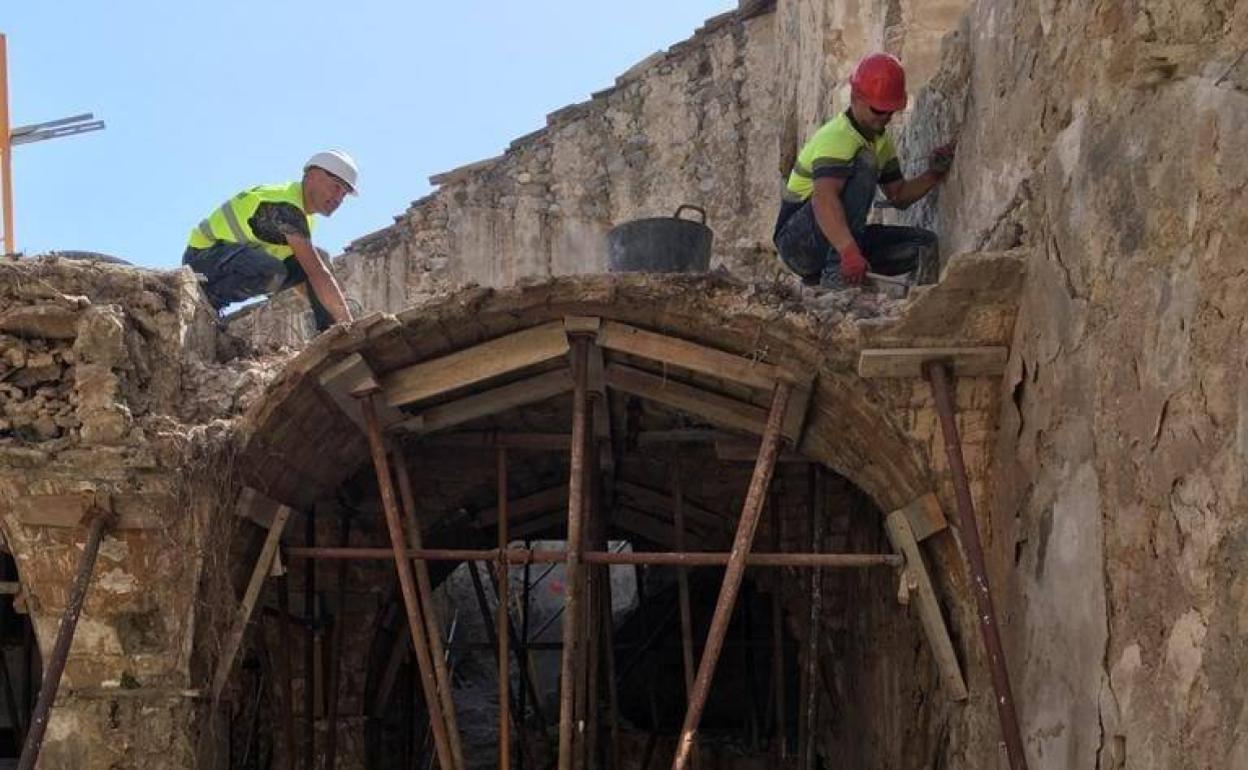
661	245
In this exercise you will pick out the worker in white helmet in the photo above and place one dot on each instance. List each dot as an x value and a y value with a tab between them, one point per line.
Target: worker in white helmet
260	241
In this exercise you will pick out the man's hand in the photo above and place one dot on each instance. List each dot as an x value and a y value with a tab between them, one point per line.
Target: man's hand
853	264
942	159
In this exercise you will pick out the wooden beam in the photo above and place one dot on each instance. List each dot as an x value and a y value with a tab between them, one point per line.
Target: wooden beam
898	525
257	506
908	362
582	324
345	380
795	417
538	502
690	355
712	407
500	399
601	406
926	517
243	615
475	364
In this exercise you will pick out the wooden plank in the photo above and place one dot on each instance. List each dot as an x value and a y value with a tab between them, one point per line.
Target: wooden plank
795	416
898	525
243	615
256	506
908	362
539	502
582	324
500	399
690	355
601	406
712	407
475	364
345	381
926	517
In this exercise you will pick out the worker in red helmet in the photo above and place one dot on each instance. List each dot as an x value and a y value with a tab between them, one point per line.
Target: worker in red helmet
822	232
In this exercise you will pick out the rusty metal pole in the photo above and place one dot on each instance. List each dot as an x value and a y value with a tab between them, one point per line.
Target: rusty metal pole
777	648
489	624
407	584
6	150
576	516
682	586
290	747
613	697
98	525
335	655
594	531
525	677
309	648
769	449
649	558
942	393
501	618
643	609
433	626
522	648
810	673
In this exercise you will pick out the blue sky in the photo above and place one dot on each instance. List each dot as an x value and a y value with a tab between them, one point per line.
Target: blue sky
204	99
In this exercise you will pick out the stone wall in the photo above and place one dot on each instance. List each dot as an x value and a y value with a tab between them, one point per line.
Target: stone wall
1109	135
109	383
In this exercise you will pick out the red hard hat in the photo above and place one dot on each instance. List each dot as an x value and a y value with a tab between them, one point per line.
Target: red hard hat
880	80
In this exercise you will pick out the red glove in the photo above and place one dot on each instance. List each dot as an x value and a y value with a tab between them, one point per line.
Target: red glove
853	265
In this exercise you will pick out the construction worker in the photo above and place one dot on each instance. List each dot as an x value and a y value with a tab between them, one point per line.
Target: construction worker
260	241
822	232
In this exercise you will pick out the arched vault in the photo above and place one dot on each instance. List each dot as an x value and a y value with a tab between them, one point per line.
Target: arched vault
697	345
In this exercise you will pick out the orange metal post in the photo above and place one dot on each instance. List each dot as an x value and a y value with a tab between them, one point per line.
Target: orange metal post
6	149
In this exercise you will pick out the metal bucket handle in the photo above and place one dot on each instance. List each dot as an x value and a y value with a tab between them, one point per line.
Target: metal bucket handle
684	206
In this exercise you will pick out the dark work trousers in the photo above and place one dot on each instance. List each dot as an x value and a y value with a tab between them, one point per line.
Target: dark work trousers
236	272
888	249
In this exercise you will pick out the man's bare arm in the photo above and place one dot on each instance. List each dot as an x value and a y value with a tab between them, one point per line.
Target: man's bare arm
320	280
830	213
903	193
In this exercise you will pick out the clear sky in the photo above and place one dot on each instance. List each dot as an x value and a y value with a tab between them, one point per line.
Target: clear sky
204	99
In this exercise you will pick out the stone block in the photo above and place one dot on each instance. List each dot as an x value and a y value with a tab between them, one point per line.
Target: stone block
101	336
40	321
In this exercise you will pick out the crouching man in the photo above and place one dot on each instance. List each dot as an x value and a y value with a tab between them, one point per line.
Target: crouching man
822	232
260	241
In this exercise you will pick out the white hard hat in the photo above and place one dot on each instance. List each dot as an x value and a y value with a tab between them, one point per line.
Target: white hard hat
337	163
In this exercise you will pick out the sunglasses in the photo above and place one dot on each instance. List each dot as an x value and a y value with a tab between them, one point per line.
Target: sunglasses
342	185
880	113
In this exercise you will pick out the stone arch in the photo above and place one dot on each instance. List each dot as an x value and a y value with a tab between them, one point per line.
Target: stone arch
301	442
